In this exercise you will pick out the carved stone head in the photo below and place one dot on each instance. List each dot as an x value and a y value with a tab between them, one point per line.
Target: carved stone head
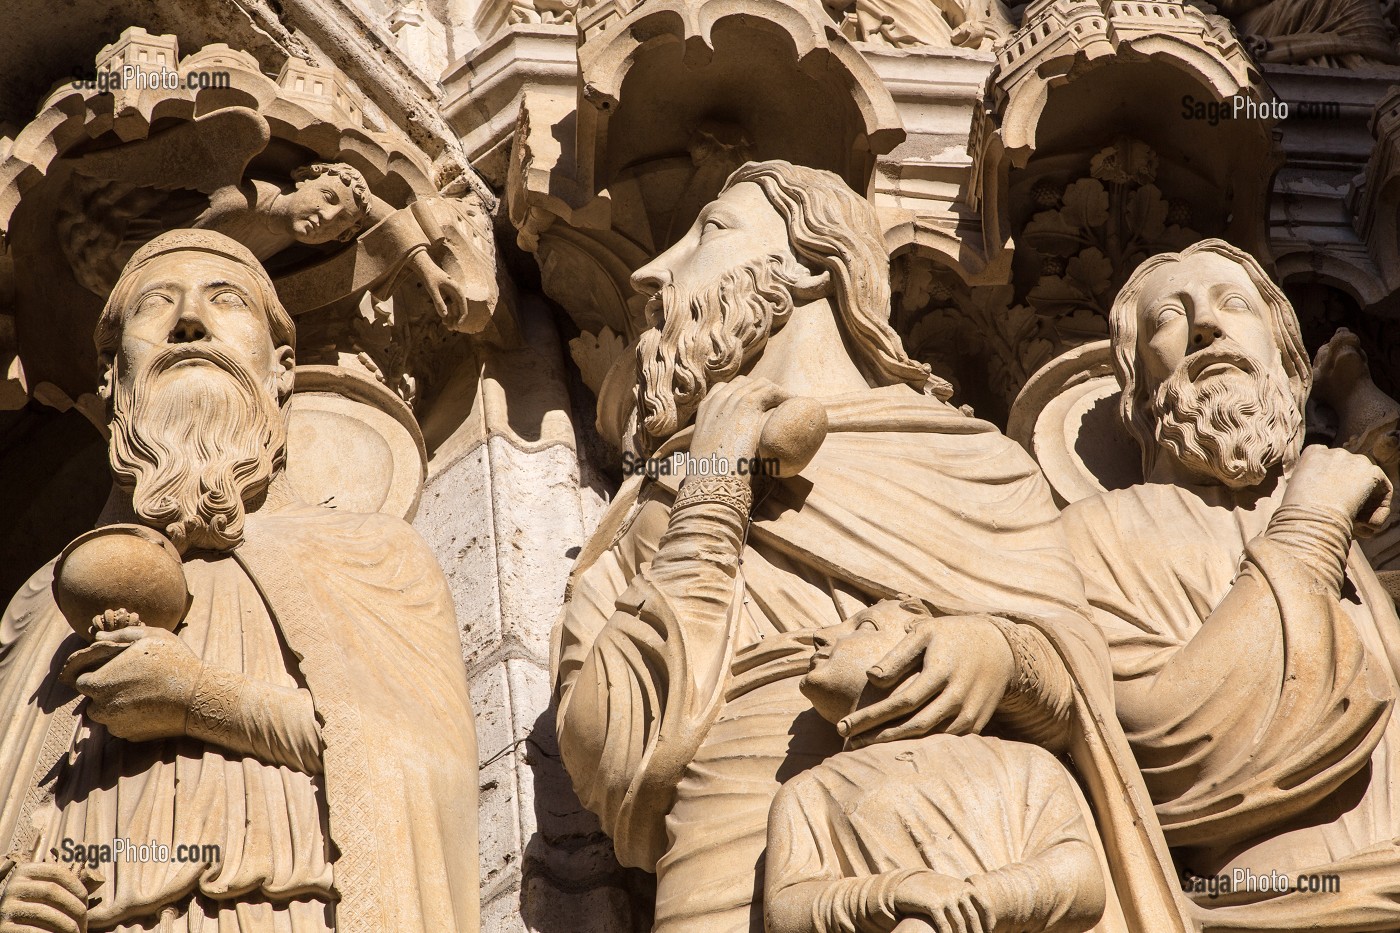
778	235
330	202
1212	365
199	357
838	682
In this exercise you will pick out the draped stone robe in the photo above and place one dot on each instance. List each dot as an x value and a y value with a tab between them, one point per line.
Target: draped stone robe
679	713
1287	757
377	833
1003	814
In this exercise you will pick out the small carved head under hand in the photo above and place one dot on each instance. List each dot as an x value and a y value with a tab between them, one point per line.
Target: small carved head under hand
838	681
330	202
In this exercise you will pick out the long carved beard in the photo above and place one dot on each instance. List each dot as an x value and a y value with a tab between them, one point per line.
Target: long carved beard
195	448
1236	426
704	339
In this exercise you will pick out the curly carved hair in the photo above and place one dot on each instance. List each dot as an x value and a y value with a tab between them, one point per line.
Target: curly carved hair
349	175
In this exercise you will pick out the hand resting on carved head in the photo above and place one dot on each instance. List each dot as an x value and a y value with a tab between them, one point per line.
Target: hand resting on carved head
946	833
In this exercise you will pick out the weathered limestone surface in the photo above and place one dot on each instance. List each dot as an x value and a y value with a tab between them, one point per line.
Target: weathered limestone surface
1063	334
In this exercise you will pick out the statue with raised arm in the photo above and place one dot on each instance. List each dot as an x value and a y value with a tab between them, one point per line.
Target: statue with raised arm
1340	33
197	174
1254	651
269	692
690	615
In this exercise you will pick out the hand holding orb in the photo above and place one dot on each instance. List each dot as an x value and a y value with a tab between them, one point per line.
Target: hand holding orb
117	576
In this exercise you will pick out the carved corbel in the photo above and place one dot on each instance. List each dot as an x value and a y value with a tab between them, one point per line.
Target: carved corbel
87	180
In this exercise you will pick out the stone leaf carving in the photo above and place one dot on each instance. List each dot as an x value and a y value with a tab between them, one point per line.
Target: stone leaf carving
985	345
298	667
595	355
1092	235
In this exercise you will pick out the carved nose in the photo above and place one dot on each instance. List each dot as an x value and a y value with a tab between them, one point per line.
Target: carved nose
1204	332
650	279
188	329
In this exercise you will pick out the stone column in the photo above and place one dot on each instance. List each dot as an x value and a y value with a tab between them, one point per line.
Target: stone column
505	514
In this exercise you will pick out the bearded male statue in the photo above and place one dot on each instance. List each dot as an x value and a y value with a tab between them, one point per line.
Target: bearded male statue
689	619
1254	652
307	725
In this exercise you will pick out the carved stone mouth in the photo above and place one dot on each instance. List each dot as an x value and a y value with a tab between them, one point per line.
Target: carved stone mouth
185	354
1219	365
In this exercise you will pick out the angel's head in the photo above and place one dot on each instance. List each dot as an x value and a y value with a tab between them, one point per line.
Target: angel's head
838	681
330	202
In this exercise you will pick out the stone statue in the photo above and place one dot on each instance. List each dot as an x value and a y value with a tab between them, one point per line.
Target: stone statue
1364	420
946	833
307	726
195	174
974	24
688	621
1254	651
1367	420
1343	33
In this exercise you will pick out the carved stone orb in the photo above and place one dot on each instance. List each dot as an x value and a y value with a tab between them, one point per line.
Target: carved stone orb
117	567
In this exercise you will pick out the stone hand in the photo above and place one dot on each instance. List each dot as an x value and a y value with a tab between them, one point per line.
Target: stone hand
914	925
143	690
43	897
1336	479
453	306
730	420
942	902
962	668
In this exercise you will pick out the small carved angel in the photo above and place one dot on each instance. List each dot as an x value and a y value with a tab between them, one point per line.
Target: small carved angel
975	24
194	175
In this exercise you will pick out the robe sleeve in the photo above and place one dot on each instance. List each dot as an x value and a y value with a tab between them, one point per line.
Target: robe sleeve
636	700
1271	728
272	723
807	889
34	642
